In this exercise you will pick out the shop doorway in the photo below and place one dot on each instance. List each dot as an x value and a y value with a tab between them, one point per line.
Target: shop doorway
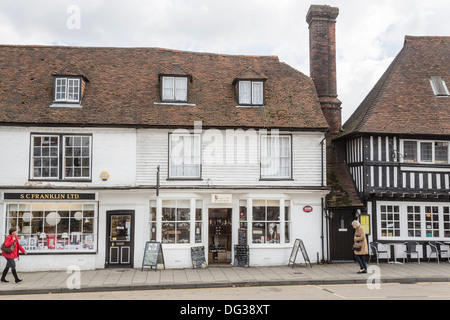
341	235
120	239
219	237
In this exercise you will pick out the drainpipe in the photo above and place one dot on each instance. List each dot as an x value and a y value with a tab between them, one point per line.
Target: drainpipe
322	200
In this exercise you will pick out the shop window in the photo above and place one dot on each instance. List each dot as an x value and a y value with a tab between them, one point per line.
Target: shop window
176	216
414	221
243	214
152	220
185	156
266	221
54	227
446	216
198	221
287	222
432	221
390	221
60	157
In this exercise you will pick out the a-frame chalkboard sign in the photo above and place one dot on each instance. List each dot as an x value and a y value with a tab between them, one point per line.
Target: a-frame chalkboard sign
153	255
198	257
298	244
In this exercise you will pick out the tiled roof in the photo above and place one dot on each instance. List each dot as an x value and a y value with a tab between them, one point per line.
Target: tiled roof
403	100
123	86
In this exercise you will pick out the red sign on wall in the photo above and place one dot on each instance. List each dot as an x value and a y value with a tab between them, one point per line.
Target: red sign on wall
307	209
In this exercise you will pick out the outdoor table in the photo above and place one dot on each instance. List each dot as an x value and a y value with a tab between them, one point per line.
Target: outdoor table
395	244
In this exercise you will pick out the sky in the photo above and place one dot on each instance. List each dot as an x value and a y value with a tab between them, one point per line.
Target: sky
369	33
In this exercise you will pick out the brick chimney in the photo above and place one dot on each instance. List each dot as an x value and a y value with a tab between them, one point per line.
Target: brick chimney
322	56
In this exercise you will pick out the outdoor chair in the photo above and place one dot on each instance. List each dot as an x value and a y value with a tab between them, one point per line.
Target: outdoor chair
378	249
437	249
411	248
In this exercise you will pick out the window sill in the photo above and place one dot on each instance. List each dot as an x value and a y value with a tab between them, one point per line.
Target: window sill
66	105
184	179
175	104
251	106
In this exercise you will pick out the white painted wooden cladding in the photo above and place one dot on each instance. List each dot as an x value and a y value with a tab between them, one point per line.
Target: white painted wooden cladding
113	150
236	164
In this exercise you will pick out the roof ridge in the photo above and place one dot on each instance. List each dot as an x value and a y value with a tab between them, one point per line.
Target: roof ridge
140	48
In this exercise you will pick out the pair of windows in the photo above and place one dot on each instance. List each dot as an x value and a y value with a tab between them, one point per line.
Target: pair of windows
175	89
433	152
185	152
61	157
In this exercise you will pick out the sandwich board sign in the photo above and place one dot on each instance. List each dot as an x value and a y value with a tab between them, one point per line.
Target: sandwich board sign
298	244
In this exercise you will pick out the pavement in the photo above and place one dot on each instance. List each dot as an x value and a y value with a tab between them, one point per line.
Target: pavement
221	276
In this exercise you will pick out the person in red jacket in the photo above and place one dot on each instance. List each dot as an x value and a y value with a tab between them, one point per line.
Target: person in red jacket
10	263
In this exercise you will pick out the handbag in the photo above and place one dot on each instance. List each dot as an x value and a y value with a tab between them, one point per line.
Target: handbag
356	248
9	249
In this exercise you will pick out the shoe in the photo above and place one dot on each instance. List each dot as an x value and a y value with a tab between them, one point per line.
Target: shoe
362	271
18	280
4	280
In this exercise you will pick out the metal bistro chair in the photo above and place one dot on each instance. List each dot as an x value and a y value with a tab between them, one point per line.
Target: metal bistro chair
375	246
436	248
411	247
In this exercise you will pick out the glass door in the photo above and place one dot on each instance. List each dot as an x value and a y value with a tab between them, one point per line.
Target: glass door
120	239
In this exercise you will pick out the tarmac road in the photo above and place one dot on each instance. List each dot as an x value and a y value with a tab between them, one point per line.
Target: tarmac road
388	291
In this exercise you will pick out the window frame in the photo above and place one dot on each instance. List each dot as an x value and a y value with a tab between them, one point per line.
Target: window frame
267	177
419	157
252	83
67	89
61	168
89	214
170	172
164	78
410	225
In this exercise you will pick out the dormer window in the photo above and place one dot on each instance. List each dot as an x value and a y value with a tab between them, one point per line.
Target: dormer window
439	87
251	93
174	88
67	89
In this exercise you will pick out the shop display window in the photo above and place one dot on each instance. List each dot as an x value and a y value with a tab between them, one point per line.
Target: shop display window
53	227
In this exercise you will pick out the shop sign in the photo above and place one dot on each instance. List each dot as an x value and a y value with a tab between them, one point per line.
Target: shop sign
49	196
221	198
307	209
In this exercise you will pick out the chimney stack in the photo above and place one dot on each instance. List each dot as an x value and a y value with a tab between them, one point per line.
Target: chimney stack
322	56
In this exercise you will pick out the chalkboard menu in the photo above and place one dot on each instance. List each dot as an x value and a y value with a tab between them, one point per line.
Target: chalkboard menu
298	244
153	255
241	255
198	257
242	236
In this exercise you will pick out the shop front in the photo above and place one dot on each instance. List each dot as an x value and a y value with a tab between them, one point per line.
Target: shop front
57	229
268	222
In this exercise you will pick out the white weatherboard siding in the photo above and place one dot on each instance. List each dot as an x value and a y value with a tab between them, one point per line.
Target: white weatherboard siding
237	163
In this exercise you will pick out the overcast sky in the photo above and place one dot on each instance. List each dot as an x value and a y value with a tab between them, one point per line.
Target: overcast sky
370	33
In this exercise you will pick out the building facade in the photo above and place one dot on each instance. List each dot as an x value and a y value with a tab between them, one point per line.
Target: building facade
104	149
396	148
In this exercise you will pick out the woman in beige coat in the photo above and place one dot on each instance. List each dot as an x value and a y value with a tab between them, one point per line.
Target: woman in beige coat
360	241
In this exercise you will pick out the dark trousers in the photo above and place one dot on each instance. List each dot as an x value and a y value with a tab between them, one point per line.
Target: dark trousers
10	263
361	261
